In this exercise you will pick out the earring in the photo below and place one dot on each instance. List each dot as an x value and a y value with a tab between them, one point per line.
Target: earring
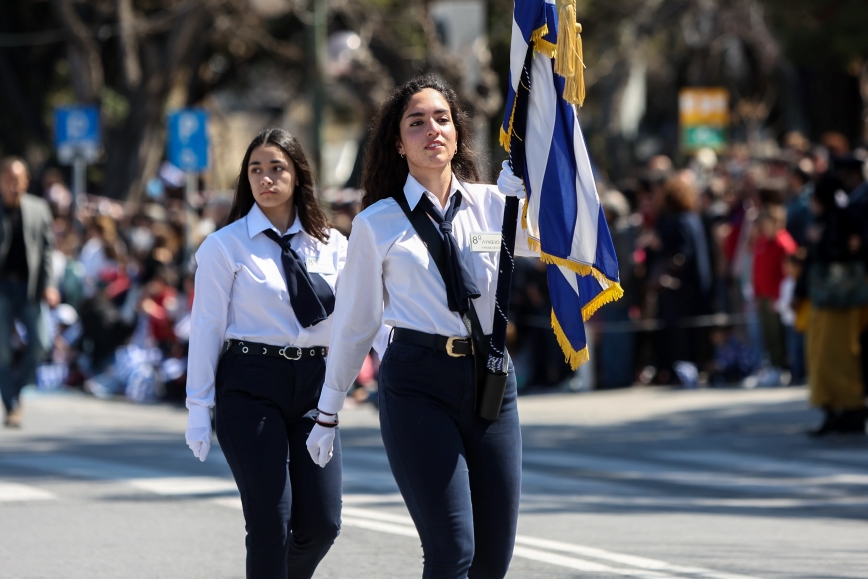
402	155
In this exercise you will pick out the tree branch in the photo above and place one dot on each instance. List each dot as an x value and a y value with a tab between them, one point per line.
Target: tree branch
129	43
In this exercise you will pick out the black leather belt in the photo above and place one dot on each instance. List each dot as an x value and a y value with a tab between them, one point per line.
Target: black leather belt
287	352
454	346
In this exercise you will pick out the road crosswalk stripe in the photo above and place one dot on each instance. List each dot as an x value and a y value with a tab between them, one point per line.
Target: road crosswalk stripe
14	492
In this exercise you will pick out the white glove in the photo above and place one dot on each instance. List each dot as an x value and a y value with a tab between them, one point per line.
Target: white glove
198	433
321	442
509	184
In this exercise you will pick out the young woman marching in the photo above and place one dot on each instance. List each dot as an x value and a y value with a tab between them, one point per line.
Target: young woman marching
459	474
264	295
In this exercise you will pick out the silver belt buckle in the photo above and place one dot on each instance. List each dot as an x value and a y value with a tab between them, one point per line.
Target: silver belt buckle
450	347
285	352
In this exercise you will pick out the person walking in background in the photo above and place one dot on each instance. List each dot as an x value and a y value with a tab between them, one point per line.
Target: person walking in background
264	294
681	272
26	242
838	291
459	474
770	250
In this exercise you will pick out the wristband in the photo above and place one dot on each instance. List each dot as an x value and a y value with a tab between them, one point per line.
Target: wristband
326	424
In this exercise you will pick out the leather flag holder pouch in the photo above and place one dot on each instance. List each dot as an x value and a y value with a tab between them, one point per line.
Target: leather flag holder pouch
490	385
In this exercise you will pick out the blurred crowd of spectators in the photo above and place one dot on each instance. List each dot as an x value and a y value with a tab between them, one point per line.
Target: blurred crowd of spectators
125	279
712	260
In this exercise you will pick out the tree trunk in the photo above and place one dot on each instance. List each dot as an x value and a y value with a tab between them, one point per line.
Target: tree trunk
135	150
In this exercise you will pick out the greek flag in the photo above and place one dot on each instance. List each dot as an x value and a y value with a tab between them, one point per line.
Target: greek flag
563	215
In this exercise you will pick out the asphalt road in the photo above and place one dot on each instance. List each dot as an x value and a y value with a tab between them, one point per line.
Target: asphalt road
644	483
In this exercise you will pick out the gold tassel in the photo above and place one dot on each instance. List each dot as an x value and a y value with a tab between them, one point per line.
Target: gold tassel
565	57
579	78
569	58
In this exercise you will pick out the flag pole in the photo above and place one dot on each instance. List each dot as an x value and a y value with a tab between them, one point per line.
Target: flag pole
497	356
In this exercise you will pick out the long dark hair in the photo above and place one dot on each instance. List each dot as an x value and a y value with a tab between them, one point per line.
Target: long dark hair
385	172
312	217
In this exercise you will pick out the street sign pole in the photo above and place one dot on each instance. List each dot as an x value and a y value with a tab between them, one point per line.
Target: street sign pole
188	150
79	186
192	190
77	140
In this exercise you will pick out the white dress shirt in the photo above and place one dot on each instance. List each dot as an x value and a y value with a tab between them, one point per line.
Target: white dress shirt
241	294
391	279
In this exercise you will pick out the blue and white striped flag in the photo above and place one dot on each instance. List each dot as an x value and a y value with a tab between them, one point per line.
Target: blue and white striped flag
563	215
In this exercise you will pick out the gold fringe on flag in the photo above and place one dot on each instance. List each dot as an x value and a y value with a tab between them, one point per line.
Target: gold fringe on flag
506	135
574	358
540	44
612	290
612	293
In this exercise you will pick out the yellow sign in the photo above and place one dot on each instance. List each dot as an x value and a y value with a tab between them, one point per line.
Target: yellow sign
703	106
703	115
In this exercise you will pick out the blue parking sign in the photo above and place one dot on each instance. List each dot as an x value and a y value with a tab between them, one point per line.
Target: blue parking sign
77	133
188	139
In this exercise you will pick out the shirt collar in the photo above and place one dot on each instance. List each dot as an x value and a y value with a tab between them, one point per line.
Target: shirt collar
413	191
257	222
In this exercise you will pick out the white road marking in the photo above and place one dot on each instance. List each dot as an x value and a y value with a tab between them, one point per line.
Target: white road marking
231	502
530	548
583	565
370	499
380	526
14	492
632	560
184	485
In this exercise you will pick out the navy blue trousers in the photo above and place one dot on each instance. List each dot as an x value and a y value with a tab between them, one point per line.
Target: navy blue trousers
292	508
460	475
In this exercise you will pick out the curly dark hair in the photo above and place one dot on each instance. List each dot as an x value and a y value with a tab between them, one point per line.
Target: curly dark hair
312	217
385	172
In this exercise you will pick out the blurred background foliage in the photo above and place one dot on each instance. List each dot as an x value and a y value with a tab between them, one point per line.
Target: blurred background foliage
321	67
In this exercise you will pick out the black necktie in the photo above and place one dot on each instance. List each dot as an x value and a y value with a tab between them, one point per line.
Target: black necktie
310	296
460	287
